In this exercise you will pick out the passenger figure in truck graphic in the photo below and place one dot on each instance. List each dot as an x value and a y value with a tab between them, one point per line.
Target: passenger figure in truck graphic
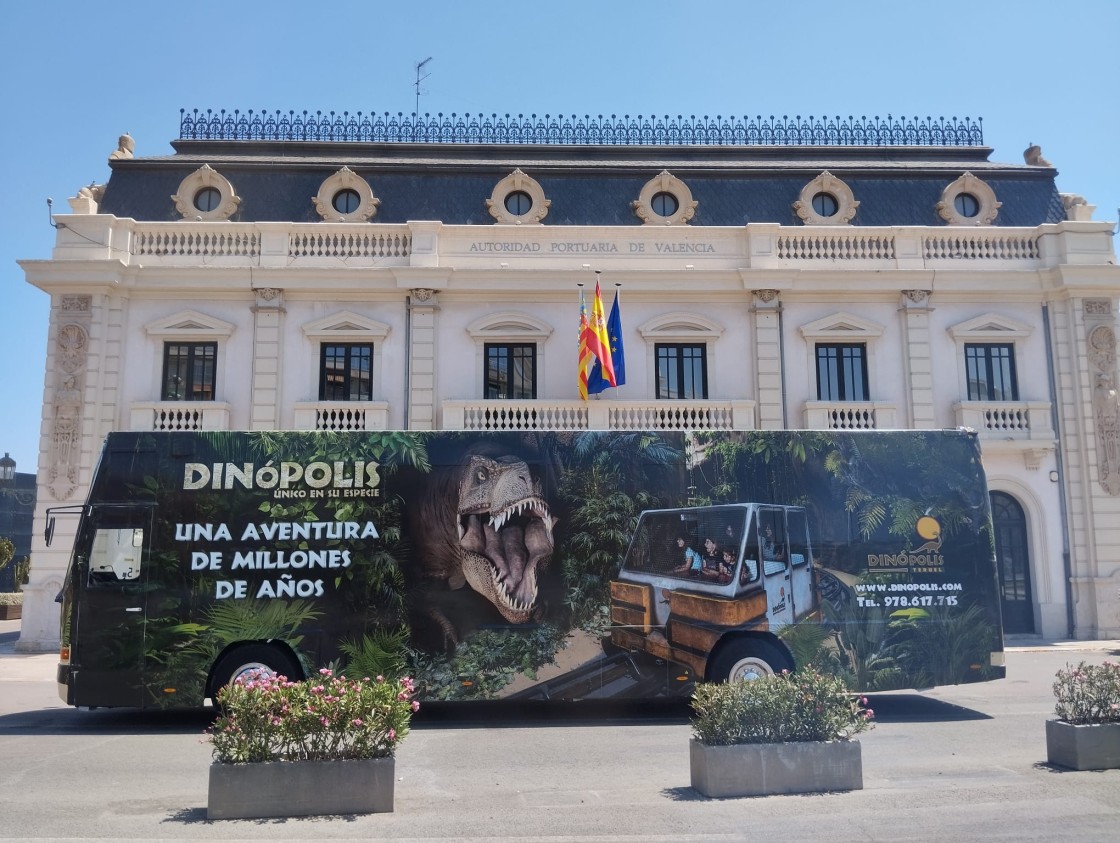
692	562
722	624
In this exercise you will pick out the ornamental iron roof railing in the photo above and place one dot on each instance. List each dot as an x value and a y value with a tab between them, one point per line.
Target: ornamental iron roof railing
579	131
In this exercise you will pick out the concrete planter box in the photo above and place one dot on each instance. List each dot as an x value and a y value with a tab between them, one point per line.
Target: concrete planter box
1094	747
763	769
300	788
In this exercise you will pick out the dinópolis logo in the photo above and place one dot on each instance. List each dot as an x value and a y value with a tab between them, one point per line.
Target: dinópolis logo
924	559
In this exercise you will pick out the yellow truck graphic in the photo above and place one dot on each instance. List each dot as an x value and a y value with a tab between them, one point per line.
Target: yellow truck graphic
708	587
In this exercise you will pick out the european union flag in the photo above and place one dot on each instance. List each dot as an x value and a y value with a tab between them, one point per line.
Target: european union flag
595	381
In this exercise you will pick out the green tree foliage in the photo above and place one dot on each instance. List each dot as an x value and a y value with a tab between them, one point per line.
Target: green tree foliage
7	551
613	478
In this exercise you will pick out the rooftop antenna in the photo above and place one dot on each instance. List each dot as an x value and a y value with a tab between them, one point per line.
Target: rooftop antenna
419	79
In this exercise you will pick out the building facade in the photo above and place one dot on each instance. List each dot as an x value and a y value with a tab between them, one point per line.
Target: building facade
311	272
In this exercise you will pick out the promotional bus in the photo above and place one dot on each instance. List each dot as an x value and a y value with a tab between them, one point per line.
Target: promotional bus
534	565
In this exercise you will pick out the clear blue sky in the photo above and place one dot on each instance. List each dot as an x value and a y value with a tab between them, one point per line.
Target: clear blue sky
76	74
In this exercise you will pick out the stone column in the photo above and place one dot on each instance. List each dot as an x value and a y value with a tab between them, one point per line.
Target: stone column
768	375
917	358
423	307
268	323
66	452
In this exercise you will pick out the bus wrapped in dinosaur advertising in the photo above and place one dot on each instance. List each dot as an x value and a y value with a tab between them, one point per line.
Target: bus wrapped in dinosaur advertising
536	565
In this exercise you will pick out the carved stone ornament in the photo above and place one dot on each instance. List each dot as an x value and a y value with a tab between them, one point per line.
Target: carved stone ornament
345	180
665	182
979	190
422	294
846	202
66	418
87	199
518	182
193	200
917	296
268	293
1032	155
1106	406
125	146
76	304
766	296
1097	307
71	345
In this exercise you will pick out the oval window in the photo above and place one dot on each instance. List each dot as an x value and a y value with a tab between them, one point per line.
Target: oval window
208	199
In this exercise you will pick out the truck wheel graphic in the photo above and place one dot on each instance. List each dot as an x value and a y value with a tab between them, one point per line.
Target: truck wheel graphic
241	660
745	659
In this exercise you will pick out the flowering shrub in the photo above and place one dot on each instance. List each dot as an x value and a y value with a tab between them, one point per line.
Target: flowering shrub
1088	693
325	718
790	707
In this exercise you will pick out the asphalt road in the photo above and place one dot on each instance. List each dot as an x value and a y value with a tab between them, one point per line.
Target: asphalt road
958	763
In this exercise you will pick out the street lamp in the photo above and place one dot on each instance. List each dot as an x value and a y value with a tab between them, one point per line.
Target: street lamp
7	469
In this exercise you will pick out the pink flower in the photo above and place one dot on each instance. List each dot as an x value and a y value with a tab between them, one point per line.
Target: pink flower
324	721
416	706
392	734
357	721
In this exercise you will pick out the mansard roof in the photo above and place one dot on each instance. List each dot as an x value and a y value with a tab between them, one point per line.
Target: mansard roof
735	179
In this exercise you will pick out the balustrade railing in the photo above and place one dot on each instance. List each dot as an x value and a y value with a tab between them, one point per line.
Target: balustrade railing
1006	420
598	415
814	244
980	244
849	415
200	240
341	415
569	130
179	415
369	242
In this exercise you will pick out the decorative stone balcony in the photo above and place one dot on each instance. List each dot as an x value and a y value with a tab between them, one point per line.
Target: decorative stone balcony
341	415
761	246
1007	421
179	415
849	415
598	415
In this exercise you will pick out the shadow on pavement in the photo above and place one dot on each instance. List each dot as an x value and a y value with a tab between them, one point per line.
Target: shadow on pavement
889	708
915	708
115	721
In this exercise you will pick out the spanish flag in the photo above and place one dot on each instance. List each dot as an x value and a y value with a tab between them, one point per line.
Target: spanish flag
594	341
596	382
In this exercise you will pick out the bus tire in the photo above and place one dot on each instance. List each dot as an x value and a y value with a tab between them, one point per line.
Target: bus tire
240	660
745	659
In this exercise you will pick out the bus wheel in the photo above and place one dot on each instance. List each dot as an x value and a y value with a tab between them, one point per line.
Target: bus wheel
242	660
746	659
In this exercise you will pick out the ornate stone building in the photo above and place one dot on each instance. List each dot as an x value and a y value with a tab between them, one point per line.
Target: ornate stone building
304	272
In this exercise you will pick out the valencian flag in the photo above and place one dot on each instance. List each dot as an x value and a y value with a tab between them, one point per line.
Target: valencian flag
595	381
593	341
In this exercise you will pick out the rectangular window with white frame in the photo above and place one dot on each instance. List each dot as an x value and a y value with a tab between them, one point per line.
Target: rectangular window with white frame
682	371
990	369
511	370
346	372
189	371
842	372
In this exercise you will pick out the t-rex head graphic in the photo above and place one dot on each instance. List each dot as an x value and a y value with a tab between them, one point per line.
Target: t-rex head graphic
505	533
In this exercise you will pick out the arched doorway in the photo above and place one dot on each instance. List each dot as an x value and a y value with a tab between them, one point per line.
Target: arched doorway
1013	561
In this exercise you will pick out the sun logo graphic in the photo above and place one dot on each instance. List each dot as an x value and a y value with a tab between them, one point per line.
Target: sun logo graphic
929	528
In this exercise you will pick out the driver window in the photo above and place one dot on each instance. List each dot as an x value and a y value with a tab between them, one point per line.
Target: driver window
772	541
115	555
